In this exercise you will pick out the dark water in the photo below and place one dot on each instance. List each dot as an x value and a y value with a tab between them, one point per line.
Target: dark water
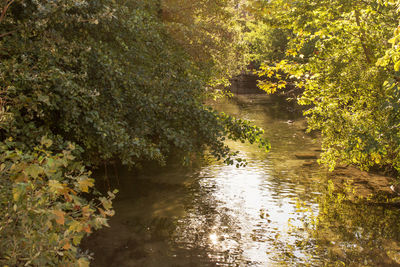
278	211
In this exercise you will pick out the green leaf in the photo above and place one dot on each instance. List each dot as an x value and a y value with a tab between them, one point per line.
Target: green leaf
34	170
46	142
397	66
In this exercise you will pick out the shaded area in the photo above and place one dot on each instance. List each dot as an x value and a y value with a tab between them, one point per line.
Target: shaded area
245	83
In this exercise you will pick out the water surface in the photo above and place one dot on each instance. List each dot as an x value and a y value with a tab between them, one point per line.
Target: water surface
260	215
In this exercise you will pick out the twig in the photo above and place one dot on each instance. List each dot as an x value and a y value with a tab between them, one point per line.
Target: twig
367	52
116	173
106	180
4	11
7	33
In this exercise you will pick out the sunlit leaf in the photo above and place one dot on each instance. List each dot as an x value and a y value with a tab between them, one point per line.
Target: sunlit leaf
59	216
46	142
85	183
82	262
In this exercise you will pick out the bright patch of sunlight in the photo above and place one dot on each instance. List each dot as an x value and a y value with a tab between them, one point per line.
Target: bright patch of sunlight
214	238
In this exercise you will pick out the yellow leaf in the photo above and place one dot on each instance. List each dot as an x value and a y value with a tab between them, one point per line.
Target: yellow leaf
75	226
281	85
82	262
76	240
107	204
34	170
46	142
55	186
377	158
397	66
71	146
18	191
16	194
85	183
59	216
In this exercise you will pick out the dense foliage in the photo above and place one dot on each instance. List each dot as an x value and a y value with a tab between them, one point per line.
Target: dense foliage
345	57
122	81
106	75
266	43
43	214
210	32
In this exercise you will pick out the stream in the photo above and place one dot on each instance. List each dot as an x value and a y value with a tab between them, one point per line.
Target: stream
280	210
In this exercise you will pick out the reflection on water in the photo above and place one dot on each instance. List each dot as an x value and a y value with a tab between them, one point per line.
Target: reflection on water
276	211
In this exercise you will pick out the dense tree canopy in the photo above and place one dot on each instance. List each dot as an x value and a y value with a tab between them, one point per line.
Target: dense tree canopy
108	76
345	57
210	32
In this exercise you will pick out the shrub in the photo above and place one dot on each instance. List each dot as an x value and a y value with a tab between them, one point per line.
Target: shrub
44	211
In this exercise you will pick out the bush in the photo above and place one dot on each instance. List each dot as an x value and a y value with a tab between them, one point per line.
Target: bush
44	212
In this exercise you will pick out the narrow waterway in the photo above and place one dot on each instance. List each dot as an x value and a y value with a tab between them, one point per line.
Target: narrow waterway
260	215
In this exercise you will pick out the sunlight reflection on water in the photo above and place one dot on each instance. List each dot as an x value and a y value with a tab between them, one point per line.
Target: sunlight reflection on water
257	201
258	214
218	215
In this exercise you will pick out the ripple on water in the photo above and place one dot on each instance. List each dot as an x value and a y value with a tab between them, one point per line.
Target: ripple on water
260	215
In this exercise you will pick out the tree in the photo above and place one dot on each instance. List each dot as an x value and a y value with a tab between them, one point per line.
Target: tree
107	76
341	54
210	32
110	79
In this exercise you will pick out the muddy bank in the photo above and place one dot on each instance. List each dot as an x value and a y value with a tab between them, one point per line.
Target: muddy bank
362	183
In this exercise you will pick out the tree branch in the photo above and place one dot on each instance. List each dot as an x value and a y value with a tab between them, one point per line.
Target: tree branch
4	10
7	33
367	52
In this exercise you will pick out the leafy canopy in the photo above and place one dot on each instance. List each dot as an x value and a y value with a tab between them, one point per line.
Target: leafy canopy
344	55
112	77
